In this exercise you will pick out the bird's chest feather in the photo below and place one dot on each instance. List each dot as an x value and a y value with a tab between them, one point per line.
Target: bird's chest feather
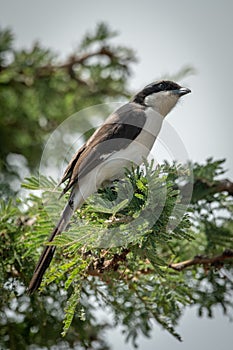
114	165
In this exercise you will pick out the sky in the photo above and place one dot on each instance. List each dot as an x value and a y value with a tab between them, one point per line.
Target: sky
166	36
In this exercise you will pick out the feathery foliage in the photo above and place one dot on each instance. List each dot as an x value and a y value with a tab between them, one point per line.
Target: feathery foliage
133	279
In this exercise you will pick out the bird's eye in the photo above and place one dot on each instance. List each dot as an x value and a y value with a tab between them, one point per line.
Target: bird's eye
161	86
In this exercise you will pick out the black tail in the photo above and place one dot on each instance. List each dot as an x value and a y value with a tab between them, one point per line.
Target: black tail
40	269
48	251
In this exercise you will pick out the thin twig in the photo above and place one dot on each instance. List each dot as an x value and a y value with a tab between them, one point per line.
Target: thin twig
203	260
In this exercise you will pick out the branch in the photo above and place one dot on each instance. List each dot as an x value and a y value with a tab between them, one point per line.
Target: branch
80	59
203	188
74	59
224	186
99	266
203	260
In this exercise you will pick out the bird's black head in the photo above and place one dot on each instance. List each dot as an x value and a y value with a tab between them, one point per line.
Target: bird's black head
161	95
159	86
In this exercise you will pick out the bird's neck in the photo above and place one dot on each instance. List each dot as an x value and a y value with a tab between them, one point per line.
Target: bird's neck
160	104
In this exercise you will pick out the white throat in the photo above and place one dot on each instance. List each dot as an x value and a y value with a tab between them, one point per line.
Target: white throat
162	102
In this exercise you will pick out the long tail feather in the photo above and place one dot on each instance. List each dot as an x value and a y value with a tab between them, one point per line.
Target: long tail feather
48	251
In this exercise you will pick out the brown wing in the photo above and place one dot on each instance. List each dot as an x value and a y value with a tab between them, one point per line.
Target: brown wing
121	128
70	167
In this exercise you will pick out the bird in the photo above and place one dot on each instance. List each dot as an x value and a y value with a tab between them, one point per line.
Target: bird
126	137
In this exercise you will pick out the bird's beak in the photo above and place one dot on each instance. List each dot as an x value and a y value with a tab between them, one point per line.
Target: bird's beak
182	91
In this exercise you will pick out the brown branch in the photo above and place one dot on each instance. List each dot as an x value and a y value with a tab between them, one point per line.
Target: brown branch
75	59
203	260
203	188
99	266
224	186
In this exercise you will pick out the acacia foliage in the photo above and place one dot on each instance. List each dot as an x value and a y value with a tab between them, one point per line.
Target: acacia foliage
136	282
